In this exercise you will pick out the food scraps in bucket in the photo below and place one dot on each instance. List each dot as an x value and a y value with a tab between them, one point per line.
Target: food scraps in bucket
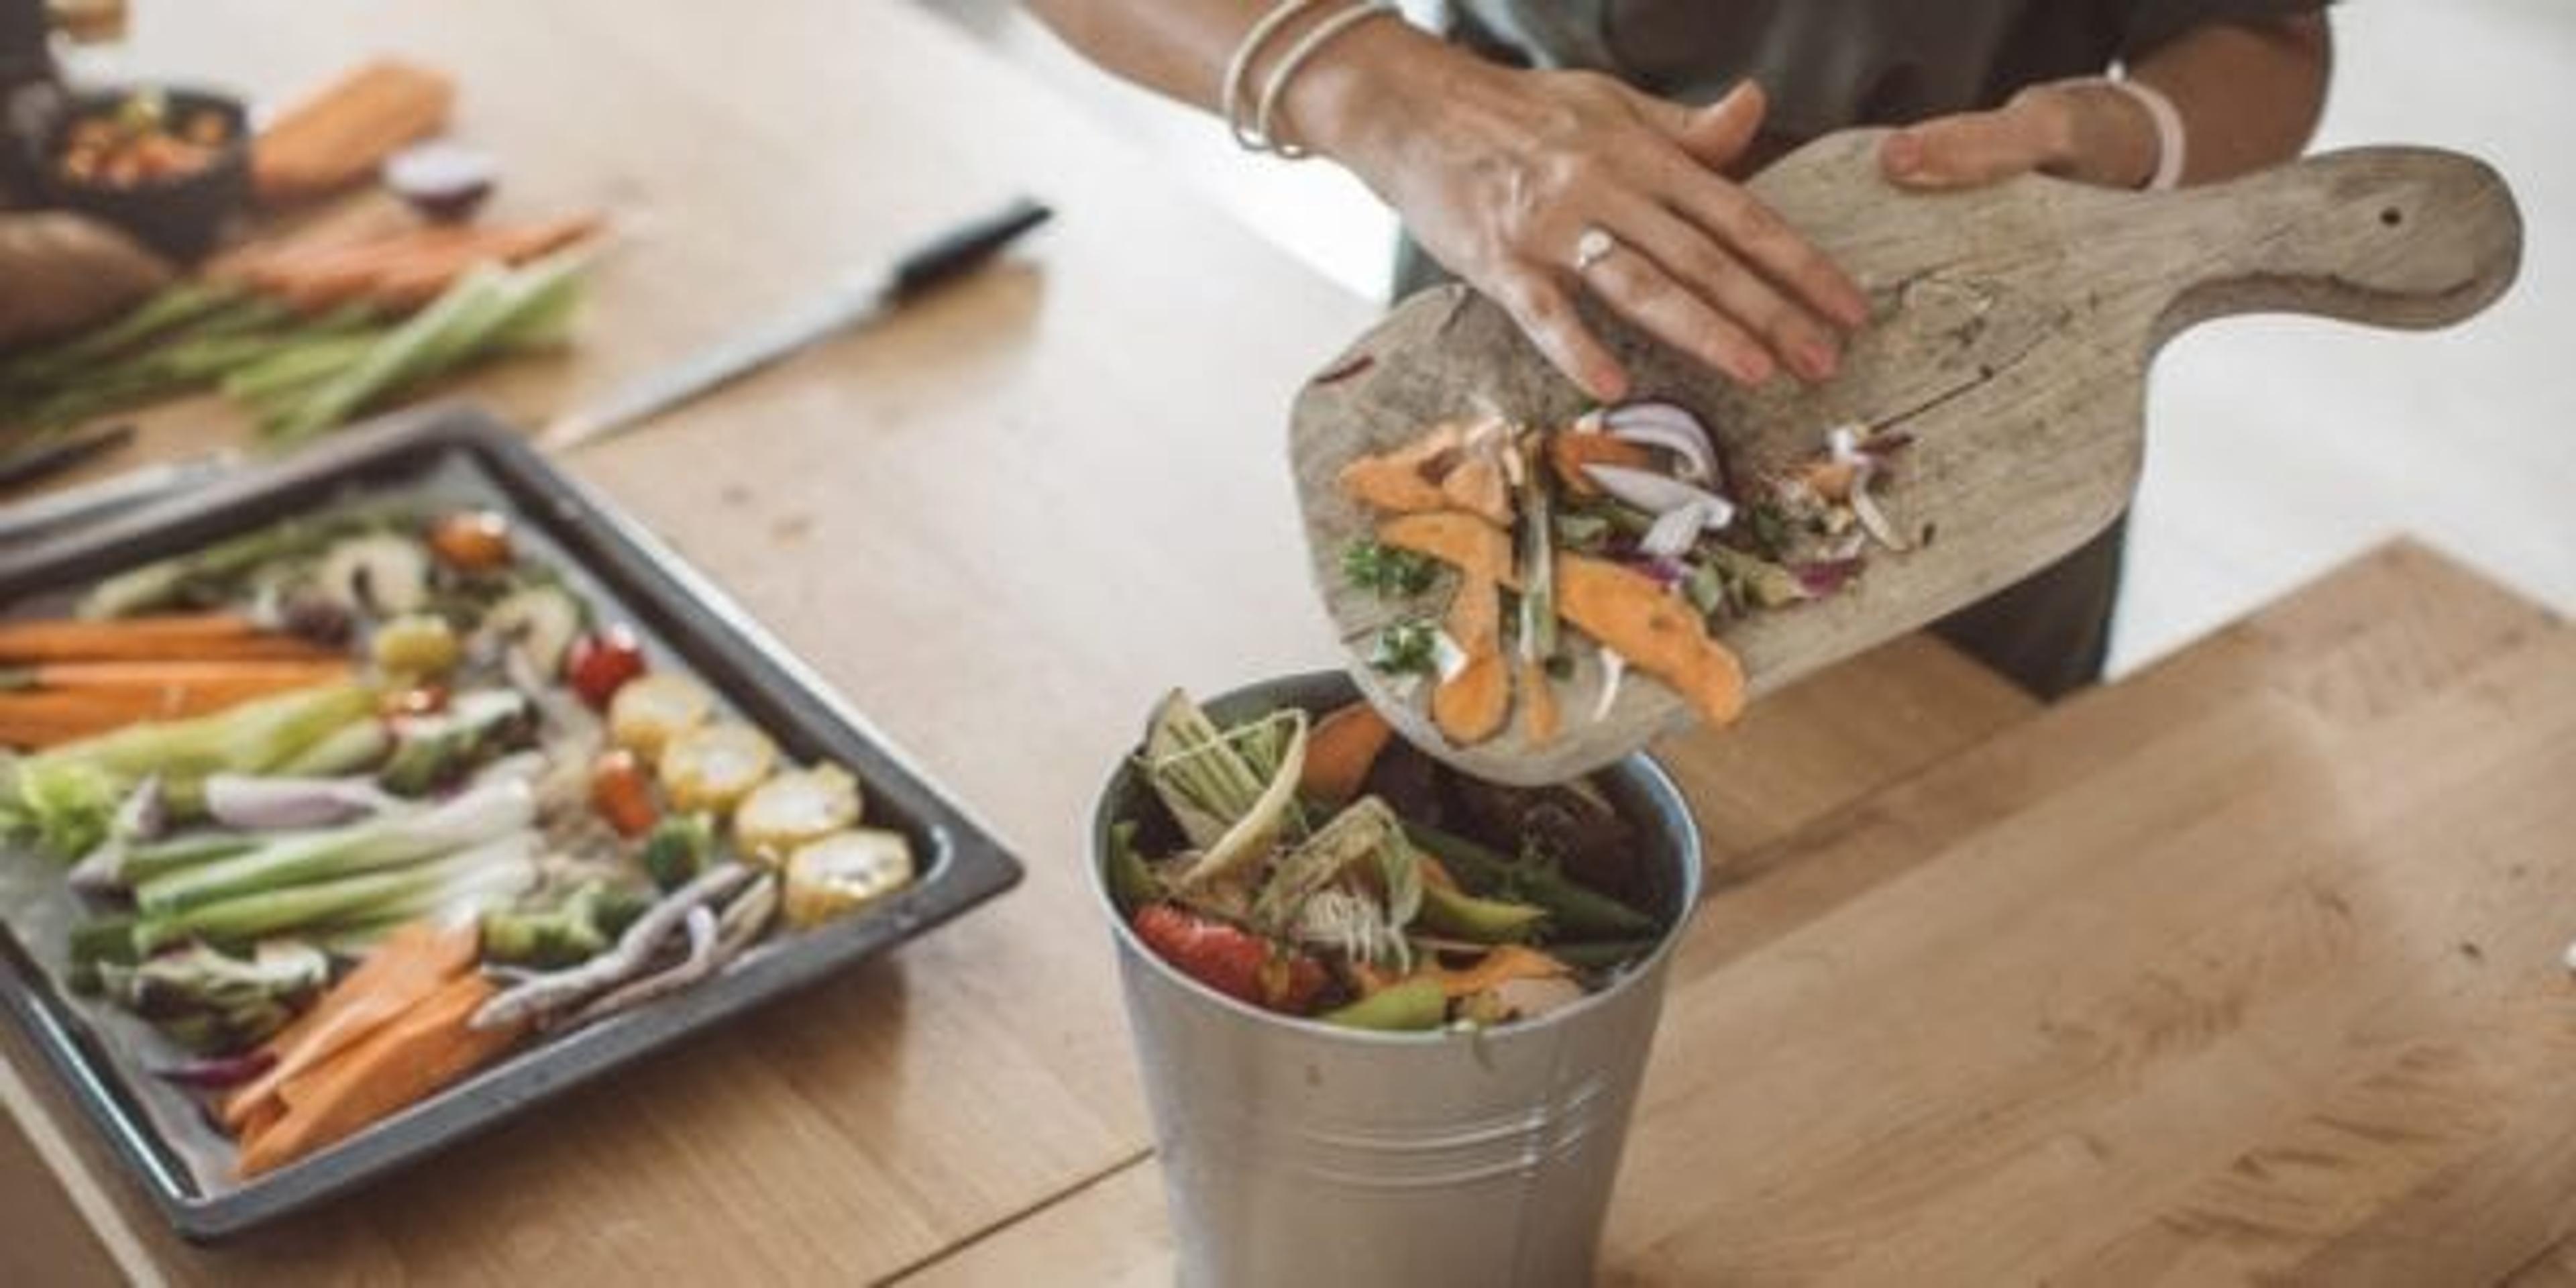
1626	526
1321	869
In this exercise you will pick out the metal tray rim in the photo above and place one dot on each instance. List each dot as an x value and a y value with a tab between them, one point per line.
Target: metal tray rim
971	865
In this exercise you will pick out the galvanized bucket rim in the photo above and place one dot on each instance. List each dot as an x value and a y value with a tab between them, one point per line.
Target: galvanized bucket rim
1656	781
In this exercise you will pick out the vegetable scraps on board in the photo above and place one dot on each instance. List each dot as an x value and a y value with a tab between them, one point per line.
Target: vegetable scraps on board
359	802
1625	526
1319	868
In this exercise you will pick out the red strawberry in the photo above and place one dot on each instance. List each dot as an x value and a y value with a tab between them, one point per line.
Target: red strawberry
1229	959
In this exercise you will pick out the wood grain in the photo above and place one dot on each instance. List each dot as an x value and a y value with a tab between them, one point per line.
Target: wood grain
2013	330
2242	969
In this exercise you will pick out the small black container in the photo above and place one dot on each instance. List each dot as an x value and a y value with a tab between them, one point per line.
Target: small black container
180	217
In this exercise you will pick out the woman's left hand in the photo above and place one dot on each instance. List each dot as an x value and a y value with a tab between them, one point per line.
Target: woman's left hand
2081	130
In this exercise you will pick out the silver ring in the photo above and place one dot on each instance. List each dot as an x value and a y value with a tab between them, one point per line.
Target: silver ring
1592	247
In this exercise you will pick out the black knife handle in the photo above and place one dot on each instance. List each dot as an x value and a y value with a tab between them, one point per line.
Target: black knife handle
960	250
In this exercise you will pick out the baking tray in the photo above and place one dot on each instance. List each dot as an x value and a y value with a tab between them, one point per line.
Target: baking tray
457	454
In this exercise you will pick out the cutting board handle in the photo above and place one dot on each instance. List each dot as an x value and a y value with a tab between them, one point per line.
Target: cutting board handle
2388	236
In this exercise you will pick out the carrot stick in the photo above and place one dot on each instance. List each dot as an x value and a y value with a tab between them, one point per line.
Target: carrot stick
399	1063
254	675
207	636
407	965
43	719
1340	751
346	224
411	284
409	270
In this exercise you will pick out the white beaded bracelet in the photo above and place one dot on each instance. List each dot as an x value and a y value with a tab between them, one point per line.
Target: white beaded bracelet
1266	119
1238	102
2169	133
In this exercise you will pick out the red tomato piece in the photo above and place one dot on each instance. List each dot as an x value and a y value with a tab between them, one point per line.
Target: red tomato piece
1229	959
601	663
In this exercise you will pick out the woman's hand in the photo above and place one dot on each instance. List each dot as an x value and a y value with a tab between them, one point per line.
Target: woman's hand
1500	174
2079	130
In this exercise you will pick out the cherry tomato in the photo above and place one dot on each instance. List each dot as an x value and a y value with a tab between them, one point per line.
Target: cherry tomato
601	663
621	795
1231	960
472	540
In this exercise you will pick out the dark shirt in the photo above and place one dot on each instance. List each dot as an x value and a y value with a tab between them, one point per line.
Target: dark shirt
1830	64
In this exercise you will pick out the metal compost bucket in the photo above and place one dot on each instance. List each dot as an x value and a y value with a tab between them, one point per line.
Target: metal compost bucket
1299	1154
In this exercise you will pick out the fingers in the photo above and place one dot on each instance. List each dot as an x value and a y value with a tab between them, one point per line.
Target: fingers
1759	322
1973	148
1640	290
1546	315
1717	134
1759	238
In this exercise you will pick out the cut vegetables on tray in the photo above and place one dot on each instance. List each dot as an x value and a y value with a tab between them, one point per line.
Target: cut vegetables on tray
1620	541
1314	867
358	803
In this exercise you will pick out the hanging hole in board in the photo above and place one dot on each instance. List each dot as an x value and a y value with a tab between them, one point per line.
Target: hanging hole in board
2392	216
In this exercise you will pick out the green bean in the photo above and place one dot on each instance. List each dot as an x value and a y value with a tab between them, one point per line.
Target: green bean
1574	908
1412	1006
1460	915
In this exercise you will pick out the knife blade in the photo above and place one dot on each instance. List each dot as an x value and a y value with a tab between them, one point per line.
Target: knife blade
943	259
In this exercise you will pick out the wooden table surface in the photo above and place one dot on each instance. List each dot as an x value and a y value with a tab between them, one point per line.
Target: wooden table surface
2243	969
2246	965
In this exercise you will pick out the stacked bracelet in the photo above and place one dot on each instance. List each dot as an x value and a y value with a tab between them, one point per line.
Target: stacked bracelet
2170	140
1260	133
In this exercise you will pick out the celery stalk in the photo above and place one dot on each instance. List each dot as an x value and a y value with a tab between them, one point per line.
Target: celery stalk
463	883
68	796
386	841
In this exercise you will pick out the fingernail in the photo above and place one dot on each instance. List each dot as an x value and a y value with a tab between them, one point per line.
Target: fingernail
1902	153
1813	359
1754	369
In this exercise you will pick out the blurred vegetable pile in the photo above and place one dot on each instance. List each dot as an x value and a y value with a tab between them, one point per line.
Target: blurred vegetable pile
300	372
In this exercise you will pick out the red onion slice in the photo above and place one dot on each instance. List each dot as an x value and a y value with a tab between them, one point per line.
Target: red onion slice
1665	498
1674	429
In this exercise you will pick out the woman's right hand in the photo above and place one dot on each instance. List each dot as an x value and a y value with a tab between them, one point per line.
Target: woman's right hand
1499	174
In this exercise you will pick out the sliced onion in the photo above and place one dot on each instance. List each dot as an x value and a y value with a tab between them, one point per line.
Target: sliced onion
1666	573
1658	424
1447	656
1614	669
1826	576
1844	442
1875	520
218	1072
1675	531
266	804
1681	511
1647	490
1656	412
1674	430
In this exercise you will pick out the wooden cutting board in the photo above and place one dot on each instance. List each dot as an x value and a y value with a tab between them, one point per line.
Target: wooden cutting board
2013	329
